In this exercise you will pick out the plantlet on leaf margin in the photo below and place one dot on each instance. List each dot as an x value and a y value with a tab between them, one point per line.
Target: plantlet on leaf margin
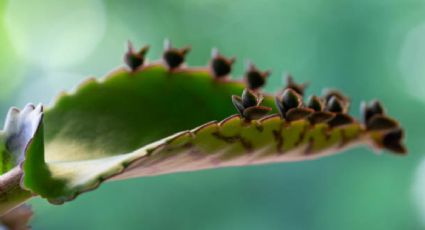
135	59
338	104
249	105
374	118
299	88
220	65
254	78
317	105
335	101
371	109
174	57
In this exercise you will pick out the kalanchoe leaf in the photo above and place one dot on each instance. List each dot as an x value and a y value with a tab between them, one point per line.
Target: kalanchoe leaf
340	119
371	109
298	113
254	78
174	57
381	122
220	65
291	84
320	117
100	132
315	103
135	59
249	99
256	112
335	105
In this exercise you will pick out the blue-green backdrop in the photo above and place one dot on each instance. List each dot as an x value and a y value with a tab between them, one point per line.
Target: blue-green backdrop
368	48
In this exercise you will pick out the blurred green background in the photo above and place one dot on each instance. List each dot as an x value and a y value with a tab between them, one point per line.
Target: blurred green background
369	49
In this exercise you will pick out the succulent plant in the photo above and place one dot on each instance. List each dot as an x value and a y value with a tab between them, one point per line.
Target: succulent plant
150	119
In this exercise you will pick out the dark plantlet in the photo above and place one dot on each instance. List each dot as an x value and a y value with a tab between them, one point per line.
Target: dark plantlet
298	113
291	84
392	141
315	103
320	117
220	65
335	105
371	109
248	105
254	78
237	102
256	112
289	99
340	119
335	93
135	59
174	57
381	122
249	99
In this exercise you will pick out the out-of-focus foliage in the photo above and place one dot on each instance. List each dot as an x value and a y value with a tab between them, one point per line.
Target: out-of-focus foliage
9	77
370	49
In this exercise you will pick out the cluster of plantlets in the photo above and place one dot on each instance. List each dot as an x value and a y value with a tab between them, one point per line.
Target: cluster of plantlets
331	108
118	128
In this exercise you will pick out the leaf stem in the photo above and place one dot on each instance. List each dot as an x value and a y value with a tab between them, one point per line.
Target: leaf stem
11	192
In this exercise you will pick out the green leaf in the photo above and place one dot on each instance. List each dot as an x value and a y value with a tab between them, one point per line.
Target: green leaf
154	121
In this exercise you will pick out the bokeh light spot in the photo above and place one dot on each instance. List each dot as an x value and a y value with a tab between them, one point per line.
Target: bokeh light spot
55	34
412	62
419	190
